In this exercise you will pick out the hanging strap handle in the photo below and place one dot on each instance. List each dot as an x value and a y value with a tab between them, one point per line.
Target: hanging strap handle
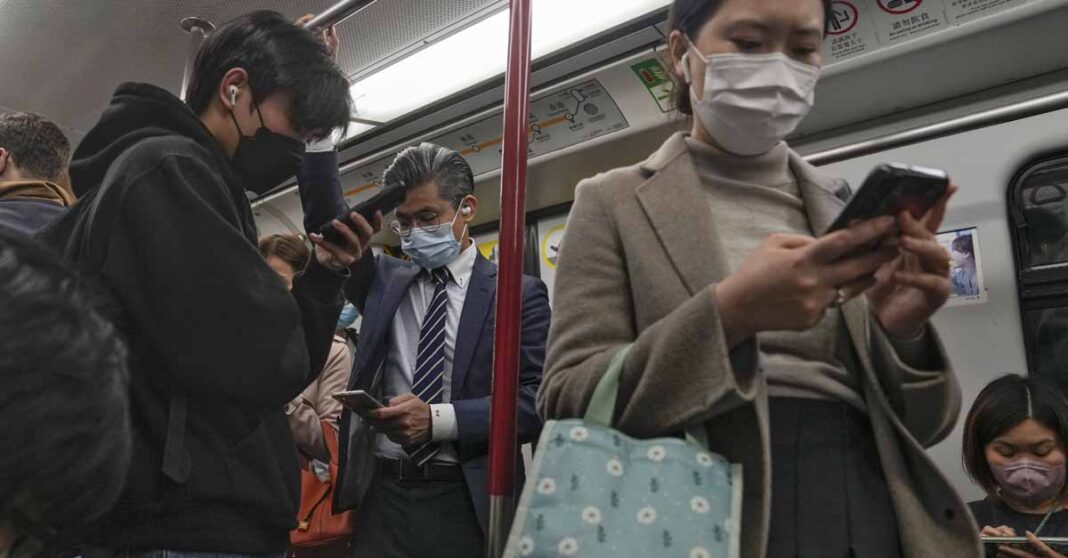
603	402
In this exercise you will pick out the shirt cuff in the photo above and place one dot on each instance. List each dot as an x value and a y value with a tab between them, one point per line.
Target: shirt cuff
443	427
321	146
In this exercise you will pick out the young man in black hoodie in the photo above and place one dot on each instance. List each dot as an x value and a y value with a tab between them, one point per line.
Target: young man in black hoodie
218	345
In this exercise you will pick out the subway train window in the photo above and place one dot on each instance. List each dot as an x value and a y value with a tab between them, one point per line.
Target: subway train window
1038	201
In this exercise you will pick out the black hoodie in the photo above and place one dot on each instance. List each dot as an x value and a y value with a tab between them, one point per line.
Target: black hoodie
173	242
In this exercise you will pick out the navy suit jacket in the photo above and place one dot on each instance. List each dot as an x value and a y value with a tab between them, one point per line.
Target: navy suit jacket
377	288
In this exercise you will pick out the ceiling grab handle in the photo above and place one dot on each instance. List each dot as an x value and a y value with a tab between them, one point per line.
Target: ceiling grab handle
502	434
198	30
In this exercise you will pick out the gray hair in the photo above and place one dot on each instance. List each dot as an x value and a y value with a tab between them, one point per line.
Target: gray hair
425	163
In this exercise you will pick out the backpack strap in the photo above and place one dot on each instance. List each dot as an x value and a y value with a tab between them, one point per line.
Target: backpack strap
176	460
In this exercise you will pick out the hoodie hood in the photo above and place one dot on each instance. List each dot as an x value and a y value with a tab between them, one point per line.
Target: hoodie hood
139	111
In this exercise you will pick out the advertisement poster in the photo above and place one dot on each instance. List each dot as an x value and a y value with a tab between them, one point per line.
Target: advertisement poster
487	244
962	11
550	235
901	20
966	266
850	30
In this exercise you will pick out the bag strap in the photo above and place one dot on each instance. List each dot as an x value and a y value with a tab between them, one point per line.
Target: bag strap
176	461
602	404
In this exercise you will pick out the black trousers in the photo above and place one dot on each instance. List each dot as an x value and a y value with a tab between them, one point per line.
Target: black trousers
828	493
416	519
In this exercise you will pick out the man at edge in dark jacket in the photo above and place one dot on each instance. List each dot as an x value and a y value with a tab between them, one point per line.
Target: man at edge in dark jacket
34	184
218	345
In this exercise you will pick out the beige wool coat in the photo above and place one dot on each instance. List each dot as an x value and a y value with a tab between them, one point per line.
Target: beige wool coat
637	266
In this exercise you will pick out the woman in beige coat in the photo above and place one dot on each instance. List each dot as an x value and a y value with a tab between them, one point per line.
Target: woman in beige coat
809	360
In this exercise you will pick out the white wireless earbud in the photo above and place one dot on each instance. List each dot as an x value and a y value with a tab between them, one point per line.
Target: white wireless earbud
233	94
465	210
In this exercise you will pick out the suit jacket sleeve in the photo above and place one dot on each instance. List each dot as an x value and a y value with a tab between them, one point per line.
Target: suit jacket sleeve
472	415
680	371
200	294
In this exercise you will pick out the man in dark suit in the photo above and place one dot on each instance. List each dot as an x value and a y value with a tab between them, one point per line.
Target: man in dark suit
416	469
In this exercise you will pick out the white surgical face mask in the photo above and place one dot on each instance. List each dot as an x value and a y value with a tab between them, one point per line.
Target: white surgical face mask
752	101
432	247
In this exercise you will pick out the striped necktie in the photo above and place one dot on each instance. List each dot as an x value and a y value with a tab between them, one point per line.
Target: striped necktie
428	381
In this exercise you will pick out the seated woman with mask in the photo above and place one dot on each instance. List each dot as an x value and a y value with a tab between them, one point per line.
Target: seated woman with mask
1014	447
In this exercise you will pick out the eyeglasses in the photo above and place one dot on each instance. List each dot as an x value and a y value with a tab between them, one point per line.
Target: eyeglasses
404	228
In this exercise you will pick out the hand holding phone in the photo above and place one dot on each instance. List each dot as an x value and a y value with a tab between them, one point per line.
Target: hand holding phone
358	401
891	189
385	201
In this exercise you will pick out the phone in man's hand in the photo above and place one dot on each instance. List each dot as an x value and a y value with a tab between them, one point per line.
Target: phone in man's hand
385	201
358	401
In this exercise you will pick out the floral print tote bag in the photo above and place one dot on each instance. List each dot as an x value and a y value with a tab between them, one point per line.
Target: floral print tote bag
594	492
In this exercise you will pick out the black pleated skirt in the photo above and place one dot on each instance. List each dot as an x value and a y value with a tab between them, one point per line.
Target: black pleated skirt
828	493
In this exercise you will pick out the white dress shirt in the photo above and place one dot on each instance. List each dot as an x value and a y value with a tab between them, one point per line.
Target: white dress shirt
404	346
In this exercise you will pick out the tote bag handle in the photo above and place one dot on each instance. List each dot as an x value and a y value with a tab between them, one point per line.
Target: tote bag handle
603	403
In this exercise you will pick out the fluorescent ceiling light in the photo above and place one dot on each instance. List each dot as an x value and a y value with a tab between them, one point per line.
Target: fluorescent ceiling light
479	52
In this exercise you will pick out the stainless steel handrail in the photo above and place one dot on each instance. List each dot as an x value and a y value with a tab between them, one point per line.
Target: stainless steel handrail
337	13
1000	115
198	29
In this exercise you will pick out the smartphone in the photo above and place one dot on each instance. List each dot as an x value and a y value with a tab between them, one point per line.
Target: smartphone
891	188
358	401
385	201
1052	541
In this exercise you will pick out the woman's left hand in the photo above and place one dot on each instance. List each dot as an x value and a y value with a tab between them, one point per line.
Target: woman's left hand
911	288
1038	549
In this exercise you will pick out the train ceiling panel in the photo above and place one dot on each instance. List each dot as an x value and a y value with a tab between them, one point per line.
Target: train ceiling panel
64	59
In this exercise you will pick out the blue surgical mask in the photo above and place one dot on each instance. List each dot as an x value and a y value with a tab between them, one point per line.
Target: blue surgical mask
348	316
432	247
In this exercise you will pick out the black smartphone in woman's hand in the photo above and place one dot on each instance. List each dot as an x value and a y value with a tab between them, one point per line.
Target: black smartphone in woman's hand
890	189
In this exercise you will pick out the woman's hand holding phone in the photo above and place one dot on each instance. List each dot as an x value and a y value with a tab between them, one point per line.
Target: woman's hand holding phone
909	289
1034	549
789	281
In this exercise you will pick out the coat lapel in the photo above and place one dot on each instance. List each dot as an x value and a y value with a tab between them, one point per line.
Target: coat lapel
479	300
684	228
822	207
373	336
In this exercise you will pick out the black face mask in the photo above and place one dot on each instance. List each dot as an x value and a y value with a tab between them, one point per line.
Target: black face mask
266	159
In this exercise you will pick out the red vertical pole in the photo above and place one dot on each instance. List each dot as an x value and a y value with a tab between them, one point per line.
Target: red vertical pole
502	434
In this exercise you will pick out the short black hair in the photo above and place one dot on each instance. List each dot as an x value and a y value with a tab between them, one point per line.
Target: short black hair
425	163
1003	404
963	244
38	146
689	16
278	56
64	425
